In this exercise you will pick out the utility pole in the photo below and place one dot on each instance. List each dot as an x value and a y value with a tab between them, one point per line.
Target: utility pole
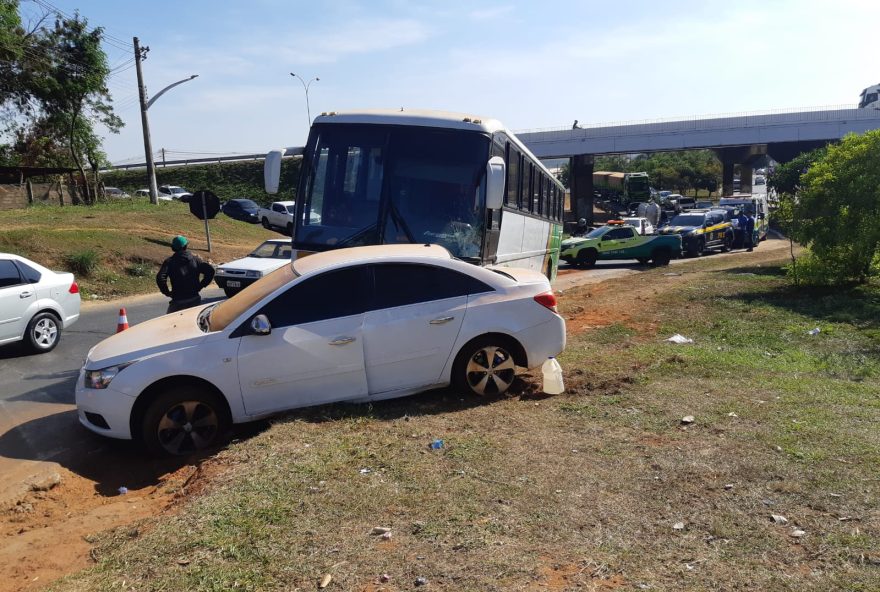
141	54
163	158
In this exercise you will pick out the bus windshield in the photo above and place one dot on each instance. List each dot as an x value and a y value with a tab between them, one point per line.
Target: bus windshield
385	184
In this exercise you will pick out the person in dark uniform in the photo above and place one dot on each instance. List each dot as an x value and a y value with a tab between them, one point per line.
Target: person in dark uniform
581	229
749	232
188	275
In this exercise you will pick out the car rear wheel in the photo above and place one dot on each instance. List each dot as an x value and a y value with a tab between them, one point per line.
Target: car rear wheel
661	257
182	421
43	332
586	258
484	367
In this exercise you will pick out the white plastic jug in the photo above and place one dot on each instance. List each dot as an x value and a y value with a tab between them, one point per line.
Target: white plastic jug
552	371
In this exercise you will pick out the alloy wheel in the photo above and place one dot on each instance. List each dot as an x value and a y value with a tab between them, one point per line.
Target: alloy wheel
490	370
45	332
188	426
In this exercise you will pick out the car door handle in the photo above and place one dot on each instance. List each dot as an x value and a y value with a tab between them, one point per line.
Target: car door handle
342	341
25	294
441	320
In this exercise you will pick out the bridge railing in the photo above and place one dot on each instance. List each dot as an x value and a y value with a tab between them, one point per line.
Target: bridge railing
701	122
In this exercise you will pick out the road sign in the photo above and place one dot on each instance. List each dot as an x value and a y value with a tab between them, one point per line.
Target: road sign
204	205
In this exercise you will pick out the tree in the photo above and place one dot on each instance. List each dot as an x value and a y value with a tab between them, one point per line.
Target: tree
56	82
837	208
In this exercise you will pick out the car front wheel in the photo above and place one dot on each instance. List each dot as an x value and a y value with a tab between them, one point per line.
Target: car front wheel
484	367
43	332
266	223
182	421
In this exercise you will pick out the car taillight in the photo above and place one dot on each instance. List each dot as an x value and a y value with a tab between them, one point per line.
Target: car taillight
73	289
548	300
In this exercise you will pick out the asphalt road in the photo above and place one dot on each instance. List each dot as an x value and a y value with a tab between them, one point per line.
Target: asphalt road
38	424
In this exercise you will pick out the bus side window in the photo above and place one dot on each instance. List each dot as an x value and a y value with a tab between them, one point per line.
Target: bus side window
513	183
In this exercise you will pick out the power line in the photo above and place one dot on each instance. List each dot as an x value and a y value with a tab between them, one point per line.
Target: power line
105	36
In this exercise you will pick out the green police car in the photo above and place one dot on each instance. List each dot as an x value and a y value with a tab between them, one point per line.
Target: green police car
617	240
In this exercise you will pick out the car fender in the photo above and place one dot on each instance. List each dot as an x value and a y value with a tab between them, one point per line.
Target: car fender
215	362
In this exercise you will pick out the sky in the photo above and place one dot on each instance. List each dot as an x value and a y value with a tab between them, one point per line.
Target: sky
530	64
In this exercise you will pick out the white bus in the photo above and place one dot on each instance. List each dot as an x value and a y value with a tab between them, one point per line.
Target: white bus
463	182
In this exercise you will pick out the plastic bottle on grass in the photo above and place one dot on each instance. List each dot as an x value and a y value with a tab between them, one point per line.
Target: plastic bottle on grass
552	372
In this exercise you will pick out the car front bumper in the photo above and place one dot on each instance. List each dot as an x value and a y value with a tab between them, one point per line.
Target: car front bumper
112	407
233	282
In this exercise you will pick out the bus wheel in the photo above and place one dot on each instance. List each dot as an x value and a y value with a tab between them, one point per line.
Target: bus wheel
661	257
586	258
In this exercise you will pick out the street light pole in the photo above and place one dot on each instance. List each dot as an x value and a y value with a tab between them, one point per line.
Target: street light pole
306	86
139	55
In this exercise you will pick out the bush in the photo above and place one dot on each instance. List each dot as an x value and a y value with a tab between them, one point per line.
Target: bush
834	269
82	263
139	269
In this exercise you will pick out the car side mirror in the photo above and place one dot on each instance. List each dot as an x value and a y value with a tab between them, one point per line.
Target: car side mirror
496	173
260	325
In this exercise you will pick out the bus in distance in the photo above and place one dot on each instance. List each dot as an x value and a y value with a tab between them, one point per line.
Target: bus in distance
463	182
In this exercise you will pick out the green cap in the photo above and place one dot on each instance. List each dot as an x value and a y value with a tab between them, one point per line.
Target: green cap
178	243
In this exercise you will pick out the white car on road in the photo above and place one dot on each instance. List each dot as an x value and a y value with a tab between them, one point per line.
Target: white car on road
235	276
358	324
35	303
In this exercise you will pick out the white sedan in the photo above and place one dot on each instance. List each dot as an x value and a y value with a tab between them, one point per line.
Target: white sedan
35	303
235	276
358	324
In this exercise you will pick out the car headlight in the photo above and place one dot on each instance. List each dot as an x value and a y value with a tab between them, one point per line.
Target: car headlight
100	379
253	274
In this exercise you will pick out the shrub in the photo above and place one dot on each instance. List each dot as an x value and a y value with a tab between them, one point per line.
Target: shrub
82	262
139	269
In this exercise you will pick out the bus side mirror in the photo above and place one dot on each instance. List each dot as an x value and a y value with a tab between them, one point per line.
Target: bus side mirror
272	171
496	173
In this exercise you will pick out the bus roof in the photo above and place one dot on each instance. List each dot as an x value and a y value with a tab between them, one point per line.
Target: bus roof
429	118
418	117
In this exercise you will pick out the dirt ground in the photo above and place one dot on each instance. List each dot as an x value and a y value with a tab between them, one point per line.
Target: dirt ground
47	533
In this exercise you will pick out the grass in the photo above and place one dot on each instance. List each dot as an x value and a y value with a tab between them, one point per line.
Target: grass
576	491
116	248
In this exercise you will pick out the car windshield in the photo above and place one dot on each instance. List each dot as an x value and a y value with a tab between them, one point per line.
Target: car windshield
597	232
176	190
377	184
291	209
218	316
270	250
688	220
246	204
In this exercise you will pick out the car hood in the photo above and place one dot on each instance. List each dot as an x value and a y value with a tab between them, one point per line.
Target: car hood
255	264
574	242
678	229
163	334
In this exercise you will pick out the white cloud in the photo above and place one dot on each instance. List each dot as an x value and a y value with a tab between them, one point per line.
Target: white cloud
483	14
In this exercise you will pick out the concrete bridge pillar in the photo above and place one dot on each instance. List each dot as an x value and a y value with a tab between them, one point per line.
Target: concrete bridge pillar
742	155
582	186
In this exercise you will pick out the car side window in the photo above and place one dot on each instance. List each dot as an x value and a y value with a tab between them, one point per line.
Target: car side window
9	275
30	274
400	284
329	295
618	233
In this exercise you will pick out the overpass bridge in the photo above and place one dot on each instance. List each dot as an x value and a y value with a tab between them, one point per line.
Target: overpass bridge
735	138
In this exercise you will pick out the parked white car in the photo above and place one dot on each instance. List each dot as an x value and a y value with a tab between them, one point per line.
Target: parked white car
146	193
35	303
359	324
642	225
174	192
236	275
278	215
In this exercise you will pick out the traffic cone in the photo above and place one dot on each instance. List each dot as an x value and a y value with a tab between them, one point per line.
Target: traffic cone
122	324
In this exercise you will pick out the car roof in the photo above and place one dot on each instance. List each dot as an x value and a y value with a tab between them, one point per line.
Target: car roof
277	241
336	257
285	203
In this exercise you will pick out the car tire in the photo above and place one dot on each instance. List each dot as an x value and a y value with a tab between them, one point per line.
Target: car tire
661	257
728	243
485	367
230	292
266	223
695	248
184	420
43	332
586	258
